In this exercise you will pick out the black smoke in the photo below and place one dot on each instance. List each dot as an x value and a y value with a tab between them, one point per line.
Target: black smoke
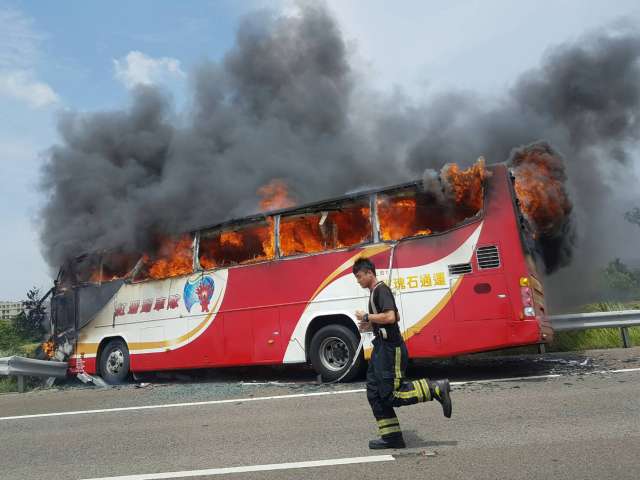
286	103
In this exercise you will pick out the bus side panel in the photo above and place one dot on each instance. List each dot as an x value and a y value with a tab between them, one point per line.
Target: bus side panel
209	350
238	337
431	340
264	304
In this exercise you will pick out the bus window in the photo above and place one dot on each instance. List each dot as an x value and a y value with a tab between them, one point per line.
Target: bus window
117	265
411	211
239	245
401	214
338	226
87	269
170	258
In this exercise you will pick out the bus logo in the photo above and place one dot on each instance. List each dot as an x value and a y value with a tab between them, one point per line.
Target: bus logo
200	291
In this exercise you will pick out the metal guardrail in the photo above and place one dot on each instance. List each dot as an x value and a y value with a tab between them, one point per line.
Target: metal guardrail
622	319
29	367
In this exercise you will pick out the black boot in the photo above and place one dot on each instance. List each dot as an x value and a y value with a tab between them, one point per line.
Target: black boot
440	390
381	443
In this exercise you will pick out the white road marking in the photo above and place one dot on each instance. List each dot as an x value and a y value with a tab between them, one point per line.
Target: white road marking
512	379
621	370
189	404
297	395
253	468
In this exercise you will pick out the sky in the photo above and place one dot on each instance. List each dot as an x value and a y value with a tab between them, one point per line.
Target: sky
87	56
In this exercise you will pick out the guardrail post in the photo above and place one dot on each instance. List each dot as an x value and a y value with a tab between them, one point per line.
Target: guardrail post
541	348
20	383
626	343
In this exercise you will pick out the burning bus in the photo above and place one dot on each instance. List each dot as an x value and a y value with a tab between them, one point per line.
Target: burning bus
276	287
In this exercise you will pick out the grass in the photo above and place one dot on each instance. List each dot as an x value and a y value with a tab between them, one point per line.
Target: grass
12	343
8	384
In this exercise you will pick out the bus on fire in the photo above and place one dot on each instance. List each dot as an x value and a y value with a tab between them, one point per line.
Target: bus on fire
277	288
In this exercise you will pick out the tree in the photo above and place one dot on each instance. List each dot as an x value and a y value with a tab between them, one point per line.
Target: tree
633	216
620	278
28	323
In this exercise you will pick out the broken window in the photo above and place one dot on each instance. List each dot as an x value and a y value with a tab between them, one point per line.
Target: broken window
79	270
169	257
411	211
237	245
117	265
330	227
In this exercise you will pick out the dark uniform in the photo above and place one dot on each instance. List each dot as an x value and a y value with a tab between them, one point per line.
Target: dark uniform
386	387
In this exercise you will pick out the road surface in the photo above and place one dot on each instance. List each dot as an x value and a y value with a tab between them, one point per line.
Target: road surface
576	418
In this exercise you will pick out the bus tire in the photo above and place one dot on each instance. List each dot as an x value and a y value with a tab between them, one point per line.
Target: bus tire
114	362
331	353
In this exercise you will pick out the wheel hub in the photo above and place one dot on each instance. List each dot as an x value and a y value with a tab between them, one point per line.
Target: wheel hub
334	354
115	362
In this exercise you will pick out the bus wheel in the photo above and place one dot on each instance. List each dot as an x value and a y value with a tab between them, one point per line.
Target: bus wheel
332	351
114	362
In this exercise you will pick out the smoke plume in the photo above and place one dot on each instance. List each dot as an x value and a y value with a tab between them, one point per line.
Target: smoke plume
286	104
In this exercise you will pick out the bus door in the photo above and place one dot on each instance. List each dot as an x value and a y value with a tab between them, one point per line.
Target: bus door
92	299
141	311
63	308
267	343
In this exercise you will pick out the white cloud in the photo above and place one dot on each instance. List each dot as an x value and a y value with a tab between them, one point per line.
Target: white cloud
137	68
19	43
22	86
19	51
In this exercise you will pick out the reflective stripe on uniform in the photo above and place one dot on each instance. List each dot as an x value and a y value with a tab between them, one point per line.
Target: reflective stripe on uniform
418	389
398	372
425	388
407	395
389	430
385	422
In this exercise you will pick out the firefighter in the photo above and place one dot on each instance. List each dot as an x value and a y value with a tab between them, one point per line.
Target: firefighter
386	386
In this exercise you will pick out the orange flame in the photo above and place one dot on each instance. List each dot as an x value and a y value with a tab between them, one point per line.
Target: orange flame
400	215
115	265
275	195
174	257
245	245
465	186
329	230
48	348
539	186
397	217
410	213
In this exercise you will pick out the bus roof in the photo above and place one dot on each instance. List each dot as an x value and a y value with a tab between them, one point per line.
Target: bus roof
312	205
306	206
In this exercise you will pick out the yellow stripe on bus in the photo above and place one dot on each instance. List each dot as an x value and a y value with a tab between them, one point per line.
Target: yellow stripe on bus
424	321
92	348
366	253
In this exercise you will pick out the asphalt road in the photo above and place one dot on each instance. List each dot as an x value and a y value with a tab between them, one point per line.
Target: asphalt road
581	424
